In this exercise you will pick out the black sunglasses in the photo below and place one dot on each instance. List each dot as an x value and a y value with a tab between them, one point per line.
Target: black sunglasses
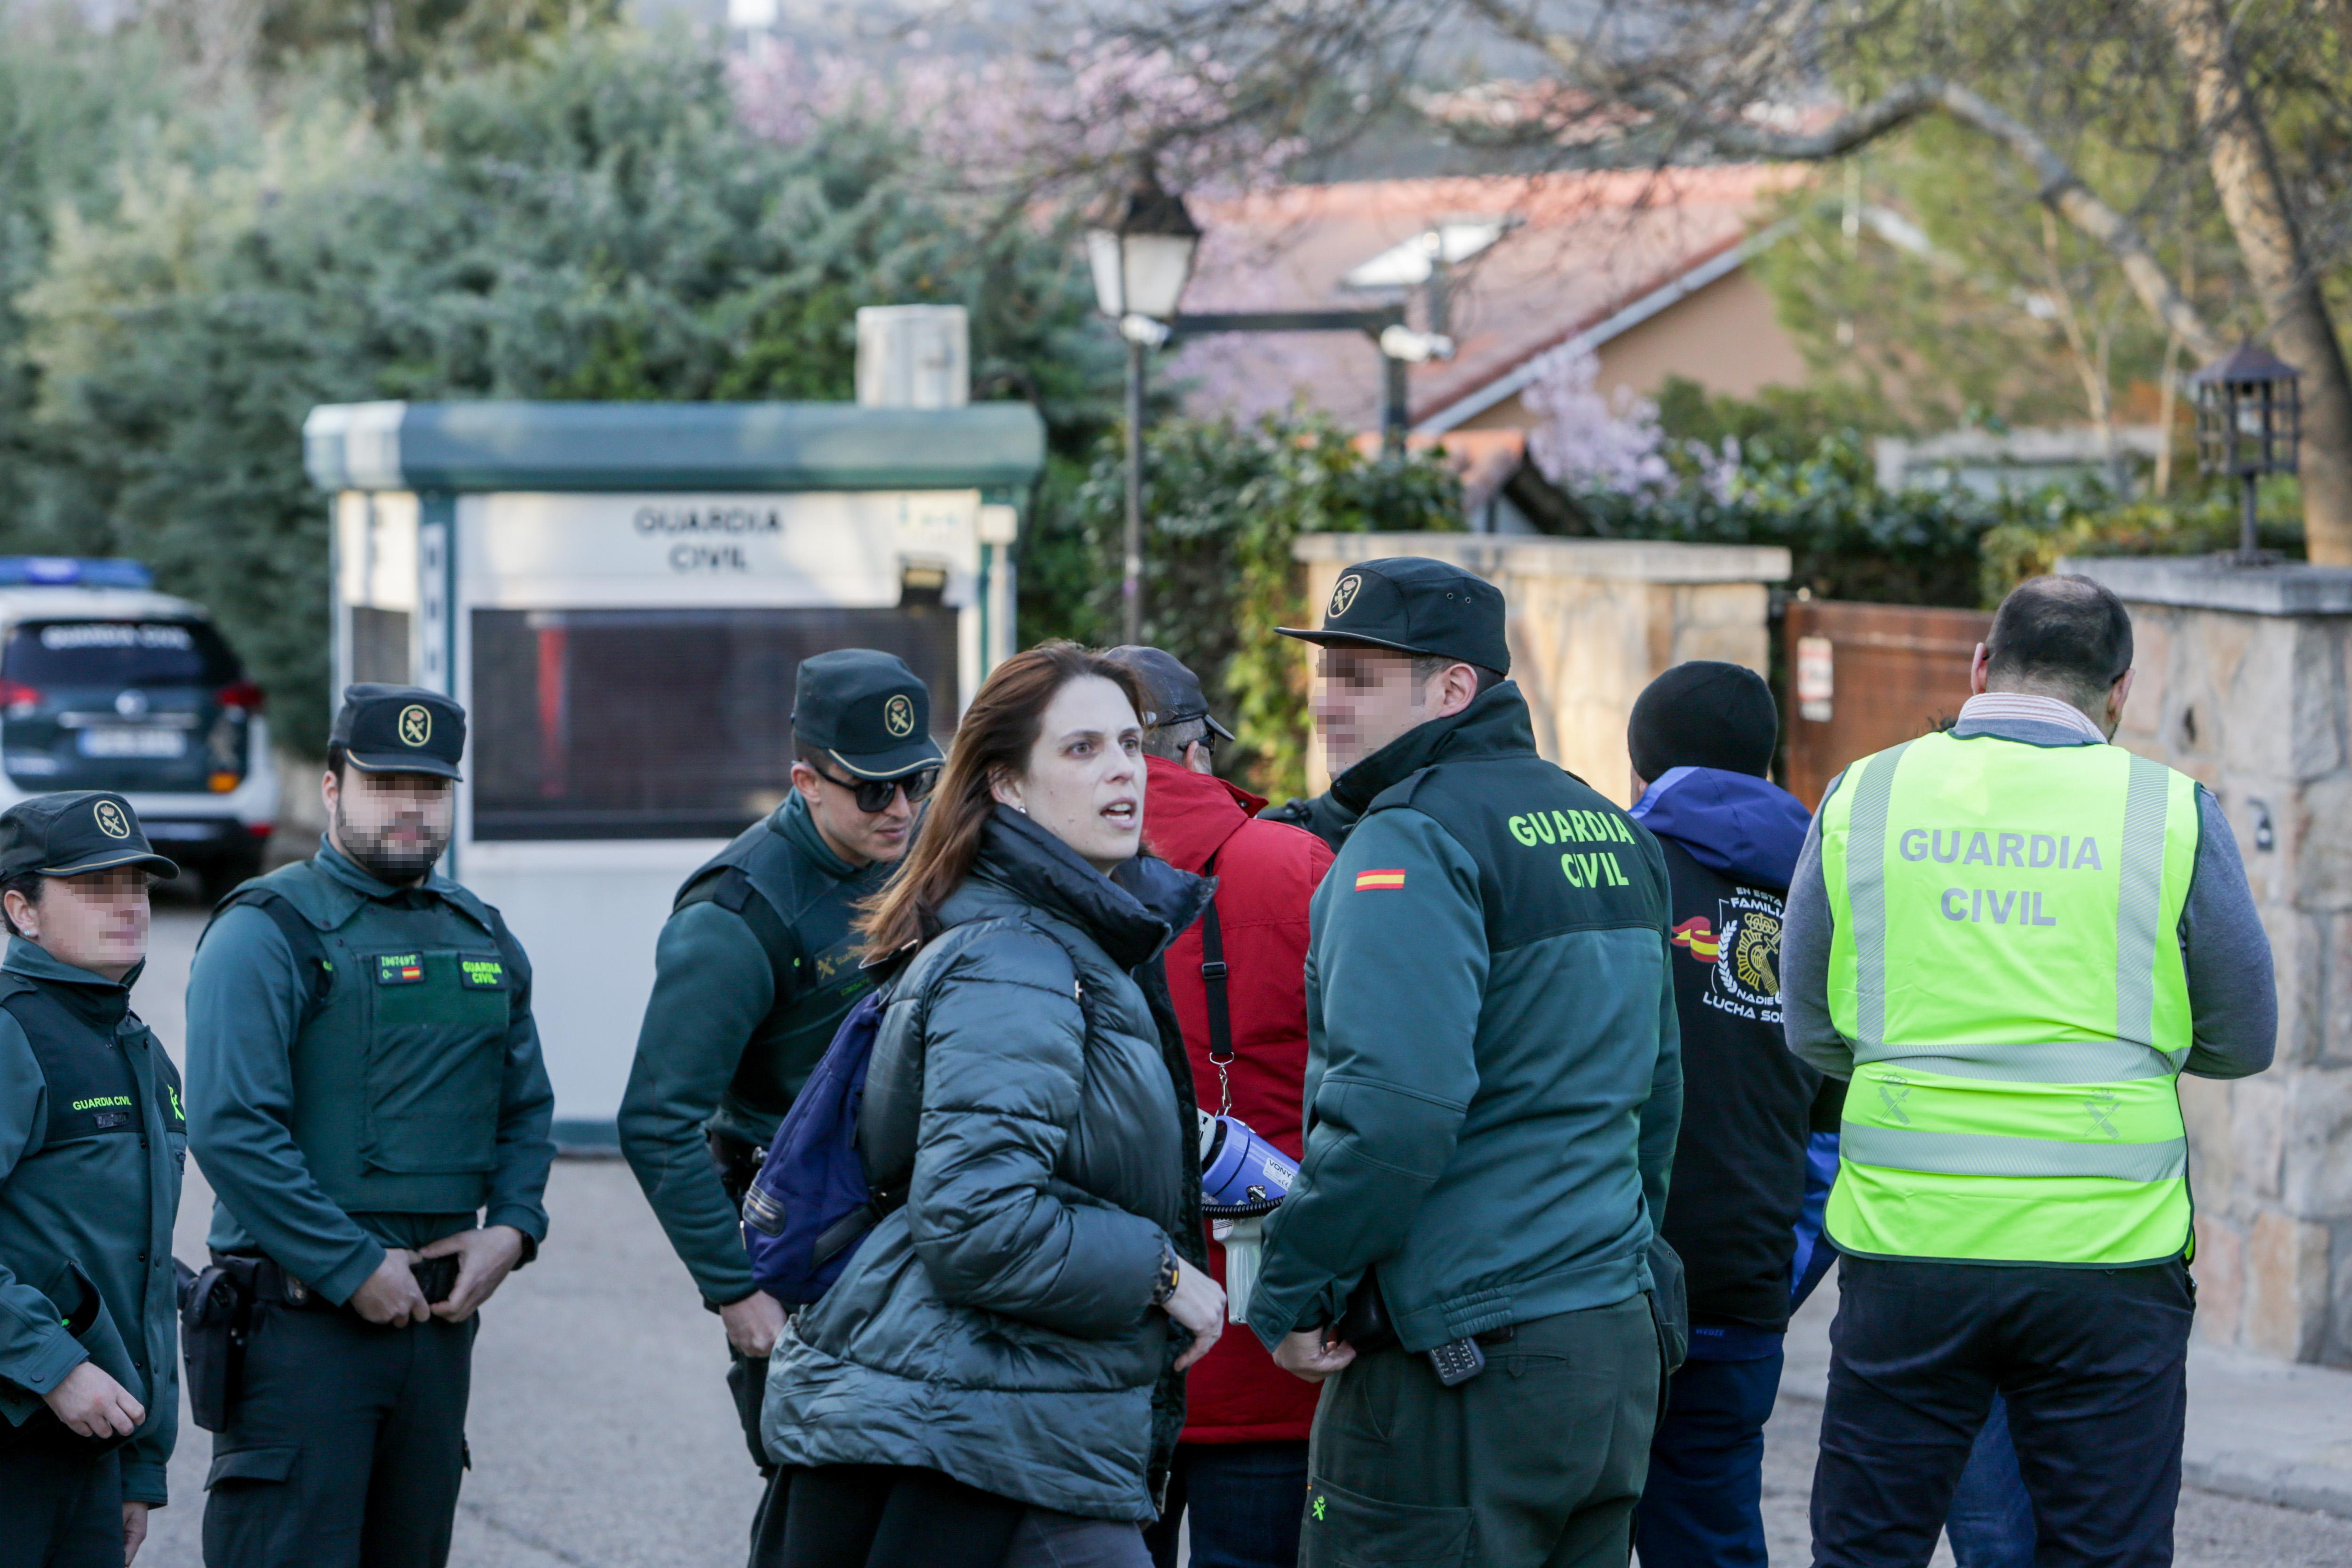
874	796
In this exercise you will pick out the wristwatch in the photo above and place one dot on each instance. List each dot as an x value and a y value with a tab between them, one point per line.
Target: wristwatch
1169	1272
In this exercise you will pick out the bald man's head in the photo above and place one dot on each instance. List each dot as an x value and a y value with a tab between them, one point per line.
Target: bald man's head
2061	637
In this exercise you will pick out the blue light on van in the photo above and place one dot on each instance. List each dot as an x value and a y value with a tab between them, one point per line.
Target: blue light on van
72	572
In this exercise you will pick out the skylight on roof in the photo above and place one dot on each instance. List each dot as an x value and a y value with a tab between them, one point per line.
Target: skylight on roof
1408	264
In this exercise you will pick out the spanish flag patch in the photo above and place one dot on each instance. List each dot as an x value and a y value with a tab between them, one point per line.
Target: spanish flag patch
1367	881
1698	935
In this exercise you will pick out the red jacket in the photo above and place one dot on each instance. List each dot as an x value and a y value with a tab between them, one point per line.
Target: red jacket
1266	874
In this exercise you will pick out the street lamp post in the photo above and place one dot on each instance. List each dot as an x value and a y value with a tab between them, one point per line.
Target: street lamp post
2249	422
1140	248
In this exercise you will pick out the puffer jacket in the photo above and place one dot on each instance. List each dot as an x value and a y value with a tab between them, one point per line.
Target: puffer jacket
998	1326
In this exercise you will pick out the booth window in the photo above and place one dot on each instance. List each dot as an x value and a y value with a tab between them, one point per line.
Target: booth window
661	723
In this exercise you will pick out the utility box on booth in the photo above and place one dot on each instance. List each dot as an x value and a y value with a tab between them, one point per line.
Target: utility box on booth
620	594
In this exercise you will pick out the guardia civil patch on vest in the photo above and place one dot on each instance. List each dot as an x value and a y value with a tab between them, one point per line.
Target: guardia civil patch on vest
400	969
481	973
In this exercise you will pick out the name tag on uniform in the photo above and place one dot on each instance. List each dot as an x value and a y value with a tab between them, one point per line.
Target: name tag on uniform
481	973
400	969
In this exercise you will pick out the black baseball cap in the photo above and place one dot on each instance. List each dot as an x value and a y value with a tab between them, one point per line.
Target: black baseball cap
400	730
866	710
1414	604
81	830
1171	688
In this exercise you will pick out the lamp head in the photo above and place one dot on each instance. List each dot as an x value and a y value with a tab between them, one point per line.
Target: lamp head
1140	247
2249	414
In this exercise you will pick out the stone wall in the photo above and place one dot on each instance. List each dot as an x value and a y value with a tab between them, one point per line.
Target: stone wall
1593	621
2241	684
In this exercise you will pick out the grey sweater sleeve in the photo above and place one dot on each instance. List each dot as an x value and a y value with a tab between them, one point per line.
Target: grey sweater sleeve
2232	996
1806	928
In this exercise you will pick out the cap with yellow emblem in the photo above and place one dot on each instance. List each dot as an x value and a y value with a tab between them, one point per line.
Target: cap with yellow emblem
866	710
400	730
73	833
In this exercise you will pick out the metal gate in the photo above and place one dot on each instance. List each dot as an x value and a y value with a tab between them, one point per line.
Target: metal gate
1866	676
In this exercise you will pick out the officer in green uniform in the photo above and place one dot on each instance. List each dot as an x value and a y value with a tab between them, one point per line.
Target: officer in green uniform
366	1095
755	970
1493	1091
91	1142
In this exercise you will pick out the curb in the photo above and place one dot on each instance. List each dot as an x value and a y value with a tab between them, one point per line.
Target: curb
2280	1482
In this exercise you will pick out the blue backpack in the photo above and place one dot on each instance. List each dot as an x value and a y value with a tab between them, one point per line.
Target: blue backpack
811	1204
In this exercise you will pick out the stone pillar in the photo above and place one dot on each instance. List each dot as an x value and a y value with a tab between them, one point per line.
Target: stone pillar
1593	621
2241	685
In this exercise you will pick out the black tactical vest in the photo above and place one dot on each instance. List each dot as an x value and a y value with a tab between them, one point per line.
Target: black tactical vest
800	913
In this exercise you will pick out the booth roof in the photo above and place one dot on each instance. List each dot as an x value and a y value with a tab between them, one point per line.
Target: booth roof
670	446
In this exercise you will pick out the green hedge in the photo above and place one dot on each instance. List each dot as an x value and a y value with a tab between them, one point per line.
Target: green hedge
1848	539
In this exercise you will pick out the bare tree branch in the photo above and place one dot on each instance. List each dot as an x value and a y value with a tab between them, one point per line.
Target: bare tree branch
2061	188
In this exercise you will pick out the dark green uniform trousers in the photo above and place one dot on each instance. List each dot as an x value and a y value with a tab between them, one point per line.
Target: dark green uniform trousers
344	1447
60	1498
1535	1463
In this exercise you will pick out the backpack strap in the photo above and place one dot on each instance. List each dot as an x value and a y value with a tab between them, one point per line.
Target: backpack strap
309	952
732	889
1213	975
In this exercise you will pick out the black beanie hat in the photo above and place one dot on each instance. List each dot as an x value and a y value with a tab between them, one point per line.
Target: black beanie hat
1704	714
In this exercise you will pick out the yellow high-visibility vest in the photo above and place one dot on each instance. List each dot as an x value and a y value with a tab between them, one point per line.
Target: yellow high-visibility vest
2007	966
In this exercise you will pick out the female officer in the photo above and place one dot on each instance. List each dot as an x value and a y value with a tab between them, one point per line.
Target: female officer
91	1140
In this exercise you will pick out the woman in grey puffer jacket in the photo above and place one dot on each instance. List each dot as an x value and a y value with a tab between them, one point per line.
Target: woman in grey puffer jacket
981	1375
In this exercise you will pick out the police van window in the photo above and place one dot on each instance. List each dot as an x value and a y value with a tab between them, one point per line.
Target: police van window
660	723
119	654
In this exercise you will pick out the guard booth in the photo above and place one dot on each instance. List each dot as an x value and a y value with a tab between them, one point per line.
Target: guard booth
620	595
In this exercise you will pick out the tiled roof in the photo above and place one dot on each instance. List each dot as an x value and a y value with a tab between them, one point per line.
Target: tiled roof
1581	247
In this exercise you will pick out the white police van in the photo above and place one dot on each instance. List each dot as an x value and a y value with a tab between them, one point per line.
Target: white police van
106	684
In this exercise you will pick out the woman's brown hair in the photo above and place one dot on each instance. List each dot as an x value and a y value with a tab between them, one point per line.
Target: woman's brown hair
995	738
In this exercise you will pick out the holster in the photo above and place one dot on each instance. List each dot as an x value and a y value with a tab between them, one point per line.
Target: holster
738	1163
1365	1324
215	1321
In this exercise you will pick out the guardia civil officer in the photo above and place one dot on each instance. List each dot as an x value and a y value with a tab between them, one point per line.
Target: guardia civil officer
754	972
366	1096
2013	937
1492	1088
91	1142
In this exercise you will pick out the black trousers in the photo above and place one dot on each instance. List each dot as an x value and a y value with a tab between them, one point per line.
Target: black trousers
345	1447
888	1516
2091	1361
747	1381
60	1498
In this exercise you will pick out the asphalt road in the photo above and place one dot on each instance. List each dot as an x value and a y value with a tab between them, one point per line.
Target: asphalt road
603	1435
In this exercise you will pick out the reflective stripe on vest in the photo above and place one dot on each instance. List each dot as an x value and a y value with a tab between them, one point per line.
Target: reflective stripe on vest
2017	1015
